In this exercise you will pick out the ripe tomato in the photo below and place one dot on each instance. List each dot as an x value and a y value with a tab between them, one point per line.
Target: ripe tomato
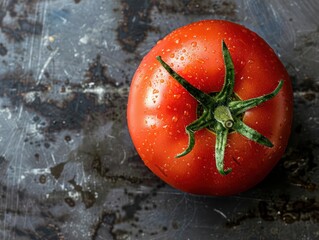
210	108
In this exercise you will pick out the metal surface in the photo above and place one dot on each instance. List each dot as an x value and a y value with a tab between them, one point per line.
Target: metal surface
68	169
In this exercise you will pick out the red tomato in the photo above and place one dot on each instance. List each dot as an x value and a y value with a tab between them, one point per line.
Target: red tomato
160	108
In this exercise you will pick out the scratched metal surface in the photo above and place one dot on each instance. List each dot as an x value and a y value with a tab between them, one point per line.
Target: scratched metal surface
68	169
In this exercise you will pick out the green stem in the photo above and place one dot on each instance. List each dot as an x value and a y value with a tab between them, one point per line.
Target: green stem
225	95
221	141
199	95
220	113
238	107
223	115
250	133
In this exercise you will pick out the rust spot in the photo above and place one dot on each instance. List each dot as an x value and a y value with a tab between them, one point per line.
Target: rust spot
3	50
42	179
57	170
69	201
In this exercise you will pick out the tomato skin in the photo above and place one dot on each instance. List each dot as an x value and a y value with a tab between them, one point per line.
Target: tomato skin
159	108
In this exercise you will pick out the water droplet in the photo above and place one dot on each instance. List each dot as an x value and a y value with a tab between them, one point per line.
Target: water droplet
155	91
177	40
184	50
174	119
194	44
162	80
182	58
186	113
177	96
172	55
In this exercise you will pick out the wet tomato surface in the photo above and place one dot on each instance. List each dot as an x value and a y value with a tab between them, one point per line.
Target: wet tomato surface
210	108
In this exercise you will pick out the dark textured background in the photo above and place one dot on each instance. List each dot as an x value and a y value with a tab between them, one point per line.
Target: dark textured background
68	169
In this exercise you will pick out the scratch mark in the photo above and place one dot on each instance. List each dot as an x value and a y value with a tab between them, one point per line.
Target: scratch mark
47	62
124	156
221	213
42	39
53	158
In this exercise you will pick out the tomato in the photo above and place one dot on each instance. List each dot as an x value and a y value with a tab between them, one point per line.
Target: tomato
210	108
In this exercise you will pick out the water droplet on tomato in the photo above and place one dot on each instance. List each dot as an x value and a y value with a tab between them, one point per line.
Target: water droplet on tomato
174	119
182	58
189	106
177	40
155	91
172	55
194	44
177	96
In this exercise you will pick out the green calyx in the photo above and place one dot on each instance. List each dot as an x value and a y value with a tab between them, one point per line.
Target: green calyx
221	114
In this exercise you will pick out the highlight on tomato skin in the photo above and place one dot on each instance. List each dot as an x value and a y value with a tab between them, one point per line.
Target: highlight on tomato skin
210	108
